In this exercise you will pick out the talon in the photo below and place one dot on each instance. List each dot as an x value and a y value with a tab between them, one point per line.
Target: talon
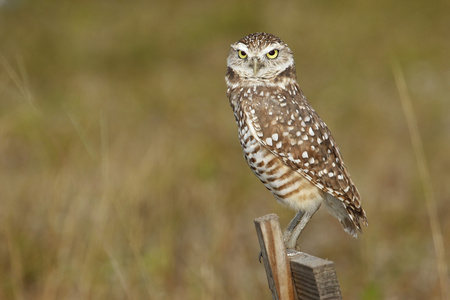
260	257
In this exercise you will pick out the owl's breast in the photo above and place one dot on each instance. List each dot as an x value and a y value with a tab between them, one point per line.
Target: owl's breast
289	187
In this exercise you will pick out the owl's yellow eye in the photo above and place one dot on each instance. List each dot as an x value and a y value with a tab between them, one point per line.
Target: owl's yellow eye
272	54
242	54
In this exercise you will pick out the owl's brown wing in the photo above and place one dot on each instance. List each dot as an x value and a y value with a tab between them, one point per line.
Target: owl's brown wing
288	127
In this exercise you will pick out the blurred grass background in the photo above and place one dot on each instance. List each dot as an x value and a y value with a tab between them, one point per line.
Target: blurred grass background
121	174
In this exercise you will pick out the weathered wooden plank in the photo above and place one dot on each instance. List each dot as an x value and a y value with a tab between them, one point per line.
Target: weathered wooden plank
273	252
314	278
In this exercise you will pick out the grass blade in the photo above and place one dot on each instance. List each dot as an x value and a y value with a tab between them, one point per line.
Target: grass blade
425	179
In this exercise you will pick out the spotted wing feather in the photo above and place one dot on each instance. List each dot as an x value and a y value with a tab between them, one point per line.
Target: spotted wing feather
302	141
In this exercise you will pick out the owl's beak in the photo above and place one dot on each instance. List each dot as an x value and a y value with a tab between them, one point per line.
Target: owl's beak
256	66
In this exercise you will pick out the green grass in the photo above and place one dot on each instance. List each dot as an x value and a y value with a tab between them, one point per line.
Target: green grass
121	174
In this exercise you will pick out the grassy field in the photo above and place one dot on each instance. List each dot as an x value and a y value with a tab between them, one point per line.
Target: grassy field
121	174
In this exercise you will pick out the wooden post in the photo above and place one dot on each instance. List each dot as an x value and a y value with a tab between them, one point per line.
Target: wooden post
314	277
294	274
273	252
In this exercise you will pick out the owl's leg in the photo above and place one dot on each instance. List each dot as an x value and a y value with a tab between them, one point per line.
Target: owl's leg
296	226
288	232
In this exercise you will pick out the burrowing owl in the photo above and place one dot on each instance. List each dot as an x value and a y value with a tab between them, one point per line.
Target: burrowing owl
285	142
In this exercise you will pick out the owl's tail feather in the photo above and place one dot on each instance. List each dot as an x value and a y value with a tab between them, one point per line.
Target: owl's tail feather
349	217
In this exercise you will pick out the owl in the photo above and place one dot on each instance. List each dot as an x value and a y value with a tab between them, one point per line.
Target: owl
285	142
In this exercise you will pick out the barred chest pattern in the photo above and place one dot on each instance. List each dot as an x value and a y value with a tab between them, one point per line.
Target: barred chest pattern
289	187
291	150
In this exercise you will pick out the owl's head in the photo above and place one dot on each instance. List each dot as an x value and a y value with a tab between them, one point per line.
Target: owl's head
260	56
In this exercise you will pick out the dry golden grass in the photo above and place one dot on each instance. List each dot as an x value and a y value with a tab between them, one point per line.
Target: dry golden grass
430	200
121	175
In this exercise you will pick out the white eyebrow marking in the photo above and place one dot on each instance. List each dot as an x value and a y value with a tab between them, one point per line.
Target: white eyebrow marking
270	48
240	46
